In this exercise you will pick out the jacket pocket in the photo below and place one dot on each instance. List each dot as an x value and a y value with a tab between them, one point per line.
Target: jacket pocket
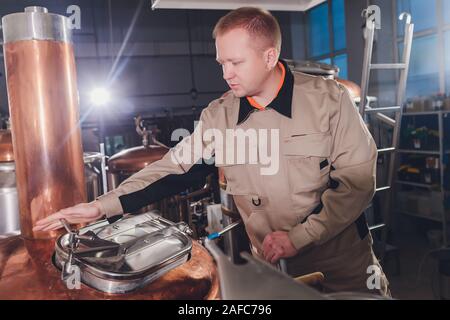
308	161
236	176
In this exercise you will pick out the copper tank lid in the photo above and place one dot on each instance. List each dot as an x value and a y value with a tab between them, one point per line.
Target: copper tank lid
313	68
353	88
6	146
134	159
325	70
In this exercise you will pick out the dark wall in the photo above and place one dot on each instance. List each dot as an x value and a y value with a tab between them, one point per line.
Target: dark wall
168	53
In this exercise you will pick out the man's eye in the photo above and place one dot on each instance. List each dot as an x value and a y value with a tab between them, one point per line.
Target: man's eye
236	63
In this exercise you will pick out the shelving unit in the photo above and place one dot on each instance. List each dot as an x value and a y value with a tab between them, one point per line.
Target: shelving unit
436	209
415	184
430	152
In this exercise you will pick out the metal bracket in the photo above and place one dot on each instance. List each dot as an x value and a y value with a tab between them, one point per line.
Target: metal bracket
373	17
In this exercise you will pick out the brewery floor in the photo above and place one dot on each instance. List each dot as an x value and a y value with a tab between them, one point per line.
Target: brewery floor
403	272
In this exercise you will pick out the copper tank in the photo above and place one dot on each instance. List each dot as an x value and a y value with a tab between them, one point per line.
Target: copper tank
43	105
6	146
134	159
129	161
353	88
126	162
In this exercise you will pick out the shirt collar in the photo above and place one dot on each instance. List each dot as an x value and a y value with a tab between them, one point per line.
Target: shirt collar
282	103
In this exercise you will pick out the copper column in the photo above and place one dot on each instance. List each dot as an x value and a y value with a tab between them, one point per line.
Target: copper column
43	105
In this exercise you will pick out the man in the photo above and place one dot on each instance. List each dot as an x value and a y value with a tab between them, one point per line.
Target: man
306	204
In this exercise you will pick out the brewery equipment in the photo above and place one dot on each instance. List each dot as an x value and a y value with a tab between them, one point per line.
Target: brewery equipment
43	105
9	205
125	255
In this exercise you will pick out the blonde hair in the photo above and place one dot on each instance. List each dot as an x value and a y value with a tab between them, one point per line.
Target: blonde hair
259	23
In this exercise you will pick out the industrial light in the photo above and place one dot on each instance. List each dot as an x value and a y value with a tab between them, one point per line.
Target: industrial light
281	5
100	96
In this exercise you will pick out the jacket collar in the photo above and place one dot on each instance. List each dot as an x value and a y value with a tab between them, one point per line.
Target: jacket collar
282	102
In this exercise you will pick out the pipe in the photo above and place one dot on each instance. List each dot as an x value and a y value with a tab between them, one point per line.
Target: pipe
43	104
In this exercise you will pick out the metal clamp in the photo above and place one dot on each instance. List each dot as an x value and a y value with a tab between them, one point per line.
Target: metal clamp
73	244
74	241
183	227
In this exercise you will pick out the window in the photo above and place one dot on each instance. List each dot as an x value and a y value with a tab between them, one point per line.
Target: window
429	69
326	60
326	35
423	76
422	12
446	11
319	36
338	15
114	144
447	59
341	62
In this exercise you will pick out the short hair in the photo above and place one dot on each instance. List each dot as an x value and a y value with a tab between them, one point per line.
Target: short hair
258	22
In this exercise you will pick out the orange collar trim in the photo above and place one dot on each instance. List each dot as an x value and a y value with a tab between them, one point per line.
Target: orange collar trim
255	104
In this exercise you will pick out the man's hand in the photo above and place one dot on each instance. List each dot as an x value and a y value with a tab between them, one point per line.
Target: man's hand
277	245
81	213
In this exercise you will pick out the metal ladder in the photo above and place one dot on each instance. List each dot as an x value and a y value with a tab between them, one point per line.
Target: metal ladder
373	22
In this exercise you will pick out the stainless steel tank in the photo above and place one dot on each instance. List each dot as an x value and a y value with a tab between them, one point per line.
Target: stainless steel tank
43	104
92	174
9	204
236	240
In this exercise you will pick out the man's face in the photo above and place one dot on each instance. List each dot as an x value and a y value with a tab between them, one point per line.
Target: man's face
245	67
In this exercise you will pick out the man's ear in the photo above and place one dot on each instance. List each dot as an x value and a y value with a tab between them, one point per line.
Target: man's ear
271	58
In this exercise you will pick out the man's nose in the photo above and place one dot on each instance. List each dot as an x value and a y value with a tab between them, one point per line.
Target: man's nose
227	73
